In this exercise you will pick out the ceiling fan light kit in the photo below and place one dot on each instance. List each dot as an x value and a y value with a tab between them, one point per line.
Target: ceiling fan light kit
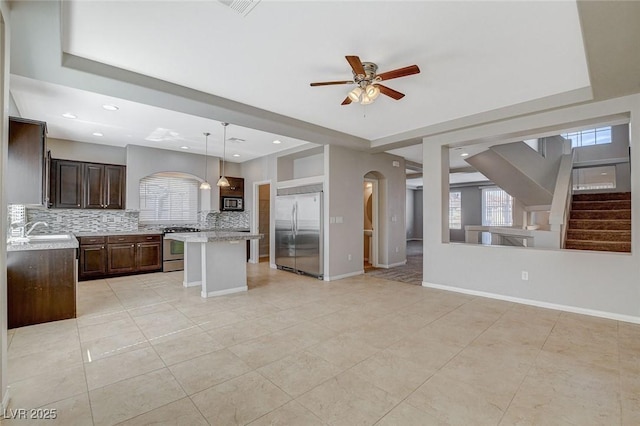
368	81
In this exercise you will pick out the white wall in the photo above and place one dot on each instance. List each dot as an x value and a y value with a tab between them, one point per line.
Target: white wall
345	180
143	161
81	151
590	282
4	137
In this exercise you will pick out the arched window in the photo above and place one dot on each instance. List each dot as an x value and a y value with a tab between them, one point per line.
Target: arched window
169	197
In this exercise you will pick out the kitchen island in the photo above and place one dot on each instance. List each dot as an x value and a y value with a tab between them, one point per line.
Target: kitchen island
215	260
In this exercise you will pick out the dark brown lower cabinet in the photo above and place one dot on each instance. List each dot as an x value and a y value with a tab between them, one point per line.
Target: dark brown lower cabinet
41	286
113	255
122	258
149	256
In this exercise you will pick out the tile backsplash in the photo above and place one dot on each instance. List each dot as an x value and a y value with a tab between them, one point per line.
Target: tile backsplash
84	220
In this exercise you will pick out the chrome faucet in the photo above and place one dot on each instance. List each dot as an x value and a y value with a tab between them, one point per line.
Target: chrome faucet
28	231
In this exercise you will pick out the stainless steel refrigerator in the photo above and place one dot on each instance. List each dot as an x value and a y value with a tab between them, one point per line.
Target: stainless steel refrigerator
299	238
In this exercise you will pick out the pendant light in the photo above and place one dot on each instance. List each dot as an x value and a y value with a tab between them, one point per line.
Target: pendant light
205	184
223	182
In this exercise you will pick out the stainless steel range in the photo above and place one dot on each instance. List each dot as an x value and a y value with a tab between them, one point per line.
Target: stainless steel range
173	251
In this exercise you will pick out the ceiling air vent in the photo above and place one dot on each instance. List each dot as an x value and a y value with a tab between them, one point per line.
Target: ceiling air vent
243	7
237	140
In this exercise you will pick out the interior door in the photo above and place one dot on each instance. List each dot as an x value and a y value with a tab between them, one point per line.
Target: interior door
285	249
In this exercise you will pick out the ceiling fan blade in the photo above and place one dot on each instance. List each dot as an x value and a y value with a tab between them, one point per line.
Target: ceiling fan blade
346	101
400	72
390	92
356	65
328	83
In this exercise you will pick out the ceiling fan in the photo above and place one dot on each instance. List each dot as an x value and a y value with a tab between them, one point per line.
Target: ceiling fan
368	81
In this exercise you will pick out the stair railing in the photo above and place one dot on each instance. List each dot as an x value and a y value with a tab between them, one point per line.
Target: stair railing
561	202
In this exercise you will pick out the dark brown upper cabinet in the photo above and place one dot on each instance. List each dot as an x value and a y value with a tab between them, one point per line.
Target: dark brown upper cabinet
66	184
27	162
235	188
85	185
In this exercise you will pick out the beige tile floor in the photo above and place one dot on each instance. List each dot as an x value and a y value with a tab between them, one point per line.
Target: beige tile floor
297	351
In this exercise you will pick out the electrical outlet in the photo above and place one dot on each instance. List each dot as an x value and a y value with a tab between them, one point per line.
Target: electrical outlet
397	249
348	257
525	276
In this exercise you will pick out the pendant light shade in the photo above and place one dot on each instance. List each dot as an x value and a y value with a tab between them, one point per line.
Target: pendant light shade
205	184
223	182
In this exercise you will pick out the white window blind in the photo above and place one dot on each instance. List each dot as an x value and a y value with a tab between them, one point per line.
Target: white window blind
455	210
496	207
168	198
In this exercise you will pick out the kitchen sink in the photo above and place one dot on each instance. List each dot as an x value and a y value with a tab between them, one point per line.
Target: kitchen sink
50	237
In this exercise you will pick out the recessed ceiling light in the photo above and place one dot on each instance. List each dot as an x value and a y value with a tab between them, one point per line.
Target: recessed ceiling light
464	154
236	155
277	141
69	115
97	134
184	147
110	107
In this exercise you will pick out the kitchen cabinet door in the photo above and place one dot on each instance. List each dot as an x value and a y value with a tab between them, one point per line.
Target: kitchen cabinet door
93	186
121	258
149	256
93	261
26	164
114	188
66	184
235	188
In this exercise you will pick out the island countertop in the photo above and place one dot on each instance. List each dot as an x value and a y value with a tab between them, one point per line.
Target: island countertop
211	236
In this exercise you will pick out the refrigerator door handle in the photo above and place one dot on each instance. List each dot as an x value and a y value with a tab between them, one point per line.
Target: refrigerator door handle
293	219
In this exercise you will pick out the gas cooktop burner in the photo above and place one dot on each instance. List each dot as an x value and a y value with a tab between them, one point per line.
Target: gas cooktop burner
172	229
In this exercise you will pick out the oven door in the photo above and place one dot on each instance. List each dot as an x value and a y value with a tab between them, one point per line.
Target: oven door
172	255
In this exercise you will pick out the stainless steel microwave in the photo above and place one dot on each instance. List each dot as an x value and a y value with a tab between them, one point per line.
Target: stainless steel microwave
232	204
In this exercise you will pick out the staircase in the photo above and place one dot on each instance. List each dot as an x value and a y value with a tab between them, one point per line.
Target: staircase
600	222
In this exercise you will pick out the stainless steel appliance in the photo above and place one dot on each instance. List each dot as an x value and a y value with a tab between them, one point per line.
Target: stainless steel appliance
232	204
299	231
173	251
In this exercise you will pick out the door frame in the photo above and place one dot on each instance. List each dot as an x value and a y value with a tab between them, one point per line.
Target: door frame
373	256
254	249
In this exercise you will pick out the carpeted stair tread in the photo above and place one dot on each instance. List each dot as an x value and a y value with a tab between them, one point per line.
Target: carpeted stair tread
599	235
601	214
603	196
601	222
616	246
595	224
602	205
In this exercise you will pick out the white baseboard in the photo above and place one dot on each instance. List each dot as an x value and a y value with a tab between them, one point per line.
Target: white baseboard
192	283
273	266
392	265
223	292
540	304
339	277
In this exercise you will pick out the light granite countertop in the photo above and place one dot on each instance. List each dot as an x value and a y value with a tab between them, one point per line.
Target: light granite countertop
106	233
70	243
212	236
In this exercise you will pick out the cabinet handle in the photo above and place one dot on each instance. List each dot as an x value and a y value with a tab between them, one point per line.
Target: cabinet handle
78	205
132	245
138	245
102	247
